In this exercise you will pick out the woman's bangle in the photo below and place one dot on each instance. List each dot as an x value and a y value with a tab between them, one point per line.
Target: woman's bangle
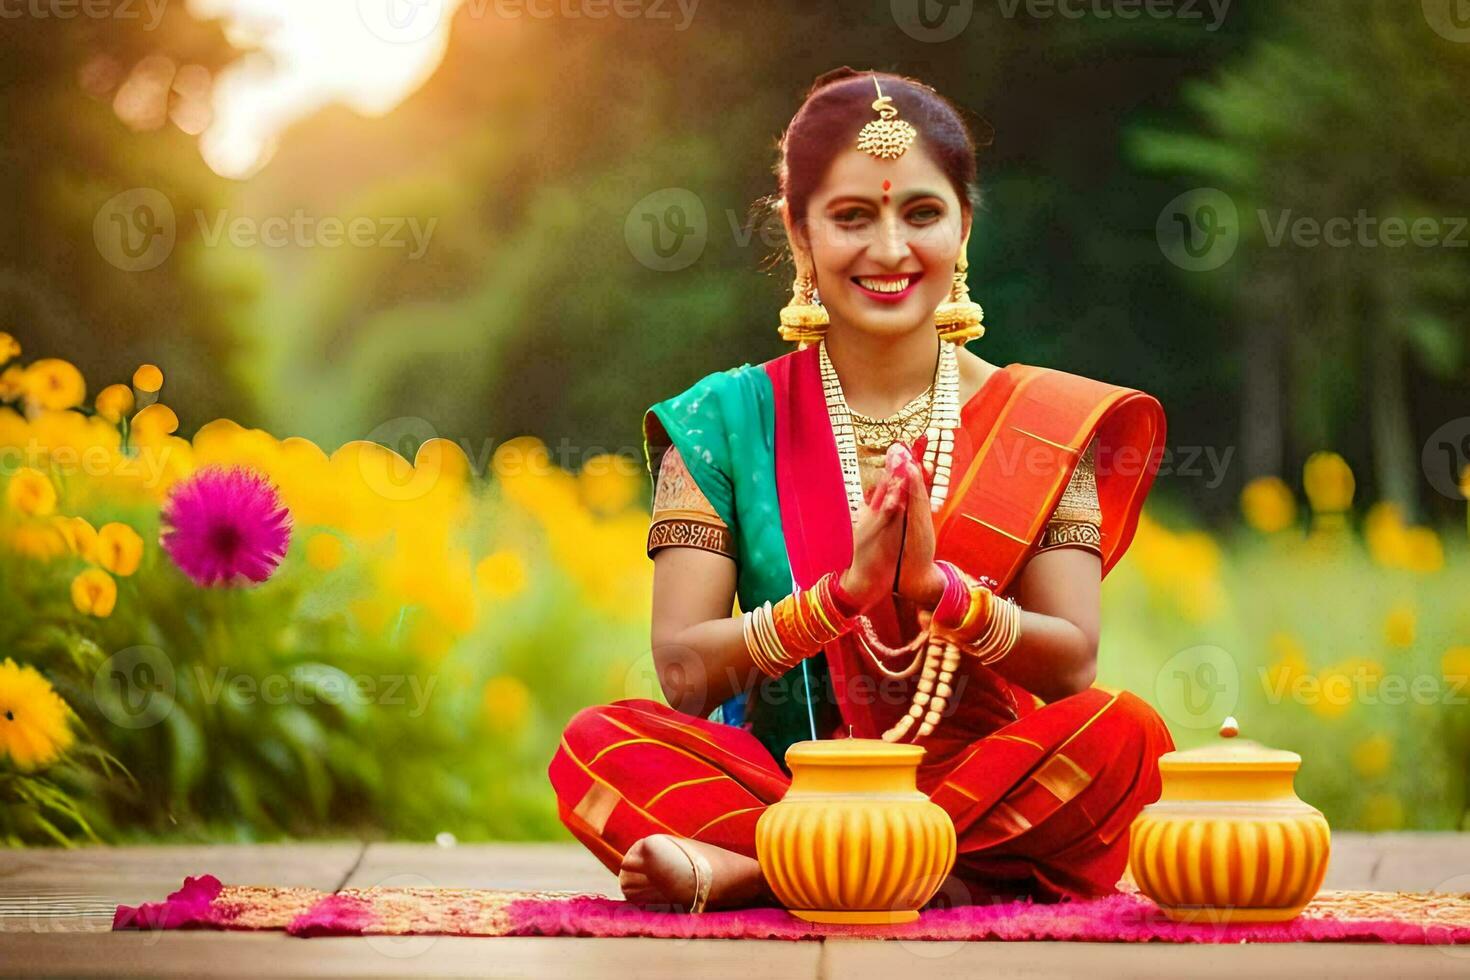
781	635
954	601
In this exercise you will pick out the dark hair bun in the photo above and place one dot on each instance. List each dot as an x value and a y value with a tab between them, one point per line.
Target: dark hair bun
829	77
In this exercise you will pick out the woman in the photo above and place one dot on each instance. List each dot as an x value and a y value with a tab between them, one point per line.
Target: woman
918	539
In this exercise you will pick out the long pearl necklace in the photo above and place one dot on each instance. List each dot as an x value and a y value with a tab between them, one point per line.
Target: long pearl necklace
940	657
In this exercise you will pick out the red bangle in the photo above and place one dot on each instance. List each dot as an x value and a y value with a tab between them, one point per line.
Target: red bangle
953	603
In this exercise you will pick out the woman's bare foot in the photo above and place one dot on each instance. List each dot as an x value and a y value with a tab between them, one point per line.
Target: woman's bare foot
655	870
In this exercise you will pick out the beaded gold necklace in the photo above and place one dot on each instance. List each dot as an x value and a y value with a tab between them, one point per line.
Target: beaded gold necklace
940	658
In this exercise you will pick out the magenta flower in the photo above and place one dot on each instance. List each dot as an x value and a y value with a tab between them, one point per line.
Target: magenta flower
226	526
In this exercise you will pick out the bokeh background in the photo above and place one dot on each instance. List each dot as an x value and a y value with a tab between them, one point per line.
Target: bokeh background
424	263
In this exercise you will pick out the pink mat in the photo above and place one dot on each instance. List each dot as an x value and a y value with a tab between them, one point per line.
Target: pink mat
1335	916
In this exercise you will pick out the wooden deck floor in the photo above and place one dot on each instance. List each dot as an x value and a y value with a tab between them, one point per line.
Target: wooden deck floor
56	908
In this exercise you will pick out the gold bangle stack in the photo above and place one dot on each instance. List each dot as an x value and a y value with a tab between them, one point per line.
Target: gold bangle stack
782	635
1000	635
990	628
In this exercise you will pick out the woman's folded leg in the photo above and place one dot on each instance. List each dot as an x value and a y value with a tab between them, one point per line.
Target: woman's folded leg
633	768
1043	806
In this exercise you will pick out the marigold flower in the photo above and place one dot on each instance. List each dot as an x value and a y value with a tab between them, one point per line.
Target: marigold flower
226	526
12	383
1268	505
38	540
81	537
1328	480
324	551
54	384
31	492
1373	755
148	378
1398	625
155	420
119	549
507	703
33	718
115	402
501	575
9	348
94	593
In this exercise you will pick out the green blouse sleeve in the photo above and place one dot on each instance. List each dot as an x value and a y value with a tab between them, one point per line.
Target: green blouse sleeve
695	420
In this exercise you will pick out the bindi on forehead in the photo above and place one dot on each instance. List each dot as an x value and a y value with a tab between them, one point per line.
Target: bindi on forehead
887	186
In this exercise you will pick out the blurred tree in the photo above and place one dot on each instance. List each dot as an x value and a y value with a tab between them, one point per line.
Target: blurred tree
1358	122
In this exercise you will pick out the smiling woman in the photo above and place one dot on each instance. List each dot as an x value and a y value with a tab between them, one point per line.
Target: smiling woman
918	538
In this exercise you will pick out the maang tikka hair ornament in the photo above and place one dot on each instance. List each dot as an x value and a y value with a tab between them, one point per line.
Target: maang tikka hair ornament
887	137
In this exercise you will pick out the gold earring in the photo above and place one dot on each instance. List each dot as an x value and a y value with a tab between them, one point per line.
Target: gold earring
803	319
960	318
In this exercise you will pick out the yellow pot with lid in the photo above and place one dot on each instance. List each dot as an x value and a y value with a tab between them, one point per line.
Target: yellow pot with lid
1229	840
853	840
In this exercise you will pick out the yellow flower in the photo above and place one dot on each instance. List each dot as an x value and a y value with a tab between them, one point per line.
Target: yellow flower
148	378
12	383
1424	550
1343	684
501	575
1373	755
507	703
33	718
119	549
1398	625
94	593
324	551
54	384
1384	530
609	483
1268	504
38	540
1455	665
156	420
1328	481
9	348
1383	811
81	537
1290	662
114	402
31	492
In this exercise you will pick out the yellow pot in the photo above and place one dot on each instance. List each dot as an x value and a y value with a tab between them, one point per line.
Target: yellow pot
853	840
1229	841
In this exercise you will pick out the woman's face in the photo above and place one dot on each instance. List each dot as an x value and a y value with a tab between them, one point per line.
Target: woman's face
884	236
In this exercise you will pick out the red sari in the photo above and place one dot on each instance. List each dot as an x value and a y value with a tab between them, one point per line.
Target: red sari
1042	796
